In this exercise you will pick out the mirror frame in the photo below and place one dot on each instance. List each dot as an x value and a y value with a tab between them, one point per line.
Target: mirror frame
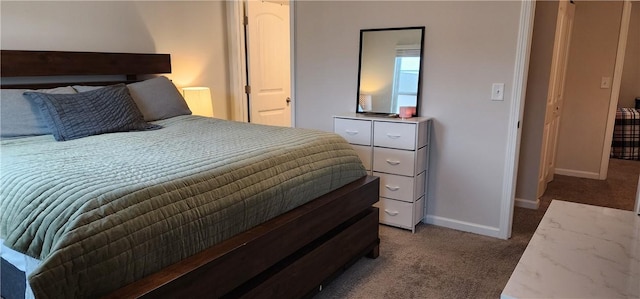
418	92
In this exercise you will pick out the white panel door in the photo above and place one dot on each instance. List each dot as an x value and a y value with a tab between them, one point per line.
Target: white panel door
268	63
555	96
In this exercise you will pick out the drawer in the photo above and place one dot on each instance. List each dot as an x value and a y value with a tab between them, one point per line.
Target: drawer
394	135
354	131
364	152
396	213
394	161
401	187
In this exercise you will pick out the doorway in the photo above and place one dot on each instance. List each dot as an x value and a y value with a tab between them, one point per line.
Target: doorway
260	65
555	96
625	89
593	86
583	117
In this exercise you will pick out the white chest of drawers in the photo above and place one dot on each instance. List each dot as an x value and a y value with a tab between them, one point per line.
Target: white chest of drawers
397	151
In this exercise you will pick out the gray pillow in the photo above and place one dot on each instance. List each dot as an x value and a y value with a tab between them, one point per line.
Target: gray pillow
156	98
19	117
106	110
83	88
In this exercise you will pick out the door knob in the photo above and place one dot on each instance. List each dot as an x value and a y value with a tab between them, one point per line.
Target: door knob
288	100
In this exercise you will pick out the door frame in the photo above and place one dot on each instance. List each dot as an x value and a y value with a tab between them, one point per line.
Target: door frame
615	88
514	133
238	59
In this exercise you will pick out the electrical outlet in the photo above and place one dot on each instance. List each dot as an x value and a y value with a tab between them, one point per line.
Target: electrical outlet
497	92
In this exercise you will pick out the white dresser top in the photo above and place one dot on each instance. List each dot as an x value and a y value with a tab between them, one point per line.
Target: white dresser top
353	115
580	251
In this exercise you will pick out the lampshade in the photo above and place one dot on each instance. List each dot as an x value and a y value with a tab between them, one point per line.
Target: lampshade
364	101
199	100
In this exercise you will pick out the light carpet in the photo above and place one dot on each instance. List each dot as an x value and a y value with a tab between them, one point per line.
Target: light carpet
437	262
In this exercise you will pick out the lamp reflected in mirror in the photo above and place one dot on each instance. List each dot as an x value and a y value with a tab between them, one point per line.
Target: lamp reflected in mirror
364	103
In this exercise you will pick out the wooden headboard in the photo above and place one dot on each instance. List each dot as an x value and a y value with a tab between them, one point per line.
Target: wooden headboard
17	63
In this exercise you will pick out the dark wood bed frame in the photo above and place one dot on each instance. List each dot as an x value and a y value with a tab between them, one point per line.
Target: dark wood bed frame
290	256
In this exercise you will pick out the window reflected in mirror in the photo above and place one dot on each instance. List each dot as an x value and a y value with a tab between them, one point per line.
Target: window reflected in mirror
390	70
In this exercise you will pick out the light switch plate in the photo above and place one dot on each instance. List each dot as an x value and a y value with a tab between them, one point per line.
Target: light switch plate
497	92
605	82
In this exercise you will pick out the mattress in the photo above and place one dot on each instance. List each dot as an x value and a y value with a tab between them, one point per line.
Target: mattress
103	211
626	135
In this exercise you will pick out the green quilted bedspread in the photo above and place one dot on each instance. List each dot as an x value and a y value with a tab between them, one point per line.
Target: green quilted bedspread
104	211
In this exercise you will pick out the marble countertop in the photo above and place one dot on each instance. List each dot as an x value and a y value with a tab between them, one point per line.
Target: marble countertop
580	251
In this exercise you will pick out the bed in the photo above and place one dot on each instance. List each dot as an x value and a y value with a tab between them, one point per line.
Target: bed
626	134
173	210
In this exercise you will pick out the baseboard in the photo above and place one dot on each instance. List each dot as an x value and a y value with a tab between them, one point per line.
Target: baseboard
527	203
578	173
463	226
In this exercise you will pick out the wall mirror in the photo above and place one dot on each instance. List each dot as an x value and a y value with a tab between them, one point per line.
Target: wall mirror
390	72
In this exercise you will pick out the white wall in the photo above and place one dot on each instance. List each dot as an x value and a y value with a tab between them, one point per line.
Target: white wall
468	46
192	32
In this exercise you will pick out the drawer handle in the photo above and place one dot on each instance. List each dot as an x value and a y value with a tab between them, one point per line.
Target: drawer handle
351	132
392	213
392	188
393	136
393	162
